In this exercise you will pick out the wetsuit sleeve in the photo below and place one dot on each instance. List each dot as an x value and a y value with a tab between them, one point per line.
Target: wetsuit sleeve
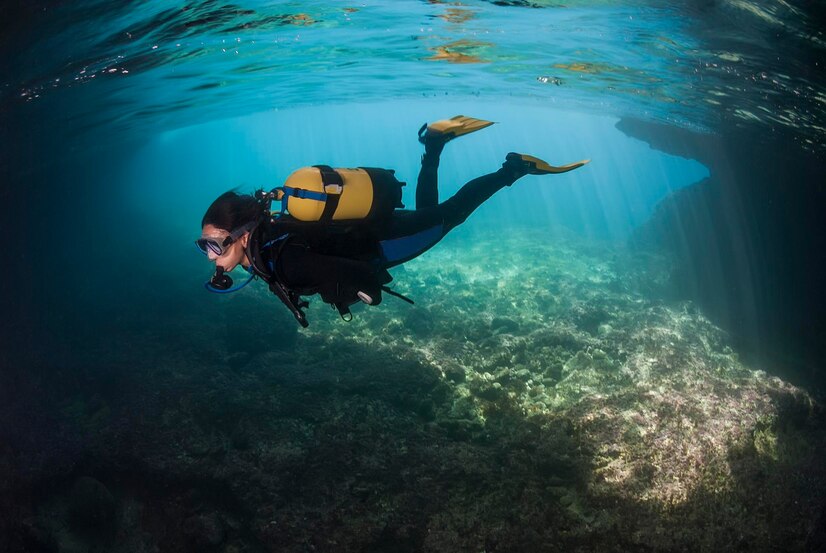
336	279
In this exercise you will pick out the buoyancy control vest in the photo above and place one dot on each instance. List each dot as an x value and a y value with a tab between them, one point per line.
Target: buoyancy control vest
323	194
342	296
267	272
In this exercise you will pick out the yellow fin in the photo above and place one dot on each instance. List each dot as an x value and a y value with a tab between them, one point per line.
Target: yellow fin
536	166
456	126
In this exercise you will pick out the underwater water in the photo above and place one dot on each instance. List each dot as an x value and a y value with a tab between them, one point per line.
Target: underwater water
626	357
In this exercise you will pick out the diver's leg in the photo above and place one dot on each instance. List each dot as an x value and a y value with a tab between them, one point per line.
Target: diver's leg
452	212
473	194
409	234
427	191
434	137
476	192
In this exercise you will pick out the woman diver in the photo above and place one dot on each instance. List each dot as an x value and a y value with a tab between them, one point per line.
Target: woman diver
339	230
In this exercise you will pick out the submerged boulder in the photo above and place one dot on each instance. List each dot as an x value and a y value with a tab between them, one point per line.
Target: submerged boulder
91	507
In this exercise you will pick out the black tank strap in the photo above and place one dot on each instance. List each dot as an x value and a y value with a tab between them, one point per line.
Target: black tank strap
329	177
344	311
396	294
288	297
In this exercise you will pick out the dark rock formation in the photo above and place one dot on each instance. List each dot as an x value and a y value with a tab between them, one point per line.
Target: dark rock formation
750	242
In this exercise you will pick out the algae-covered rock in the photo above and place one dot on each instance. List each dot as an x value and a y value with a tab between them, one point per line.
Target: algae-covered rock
455	373
504	324
91	508
491	391
579	363
594	360
205	530
464	407
461	429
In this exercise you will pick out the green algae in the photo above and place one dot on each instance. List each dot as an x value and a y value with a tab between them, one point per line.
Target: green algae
548	399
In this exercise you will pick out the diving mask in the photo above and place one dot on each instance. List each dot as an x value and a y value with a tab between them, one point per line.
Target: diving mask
219	246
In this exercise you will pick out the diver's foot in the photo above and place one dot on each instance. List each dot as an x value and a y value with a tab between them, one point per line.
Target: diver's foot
443	131
523	164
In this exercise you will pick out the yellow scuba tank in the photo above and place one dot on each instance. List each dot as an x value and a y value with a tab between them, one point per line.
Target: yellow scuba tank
321	193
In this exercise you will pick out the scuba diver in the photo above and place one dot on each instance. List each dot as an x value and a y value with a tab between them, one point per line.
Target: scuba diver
339	230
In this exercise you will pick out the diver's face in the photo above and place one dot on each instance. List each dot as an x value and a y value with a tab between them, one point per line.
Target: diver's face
234	253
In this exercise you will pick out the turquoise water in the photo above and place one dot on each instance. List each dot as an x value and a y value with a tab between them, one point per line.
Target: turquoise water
605	201
155	63
625	357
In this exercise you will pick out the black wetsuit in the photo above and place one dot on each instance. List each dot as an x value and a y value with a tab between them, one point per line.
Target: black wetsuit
337	260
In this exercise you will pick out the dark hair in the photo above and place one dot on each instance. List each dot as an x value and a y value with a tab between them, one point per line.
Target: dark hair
231	211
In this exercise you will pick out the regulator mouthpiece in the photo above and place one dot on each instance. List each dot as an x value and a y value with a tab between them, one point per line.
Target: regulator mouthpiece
221	283
219	280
